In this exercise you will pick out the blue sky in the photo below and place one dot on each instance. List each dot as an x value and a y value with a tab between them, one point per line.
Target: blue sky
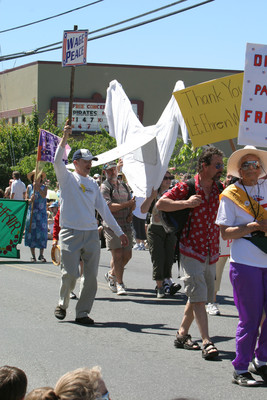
211	36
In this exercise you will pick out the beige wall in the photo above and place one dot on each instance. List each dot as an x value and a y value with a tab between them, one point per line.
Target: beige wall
18	88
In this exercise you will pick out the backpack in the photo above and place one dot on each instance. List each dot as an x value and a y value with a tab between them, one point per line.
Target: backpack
174	221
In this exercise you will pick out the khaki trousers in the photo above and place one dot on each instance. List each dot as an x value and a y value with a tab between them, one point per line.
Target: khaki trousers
75	244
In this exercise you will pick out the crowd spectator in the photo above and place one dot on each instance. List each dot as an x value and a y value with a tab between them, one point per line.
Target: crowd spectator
8	189
80	384
139	225
18	188
120	203
52	212
161	244
36	222
13	383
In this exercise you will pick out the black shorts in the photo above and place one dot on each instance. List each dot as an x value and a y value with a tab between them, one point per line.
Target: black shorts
139	228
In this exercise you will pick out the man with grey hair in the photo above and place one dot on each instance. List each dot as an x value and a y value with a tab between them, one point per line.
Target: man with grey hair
78	238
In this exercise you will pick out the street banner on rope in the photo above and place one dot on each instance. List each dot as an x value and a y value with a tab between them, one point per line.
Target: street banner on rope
12	222
211	110
253	114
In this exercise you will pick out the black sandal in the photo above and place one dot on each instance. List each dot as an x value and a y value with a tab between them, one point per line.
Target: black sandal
33	259
185	342
209	351
41	258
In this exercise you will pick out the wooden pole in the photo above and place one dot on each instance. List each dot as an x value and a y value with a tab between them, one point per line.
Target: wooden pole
71	88
232	145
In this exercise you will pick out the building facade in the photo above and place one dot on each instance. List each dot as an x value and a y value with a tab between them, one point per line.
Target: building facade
47	84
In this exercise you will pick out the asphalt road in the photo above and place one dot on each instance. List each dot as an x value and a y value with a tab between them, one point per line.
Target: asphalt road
132	339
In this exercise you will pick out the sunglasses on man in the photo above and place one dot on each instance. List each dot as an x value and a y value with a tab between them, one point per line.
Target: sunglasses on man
246	165
166	178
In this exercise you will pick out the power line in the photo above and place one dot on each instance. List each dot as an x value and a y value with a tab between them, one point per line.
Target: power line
122	22
44	49
54	16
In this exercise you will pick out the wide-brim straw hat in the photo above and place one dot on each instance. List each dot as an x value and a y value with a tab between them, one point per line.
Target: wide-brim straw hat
55	255
30	174
234	161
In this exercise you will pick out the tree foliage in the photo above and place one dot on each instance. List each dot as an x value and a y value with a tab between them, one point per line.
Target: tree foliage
18	147
184	158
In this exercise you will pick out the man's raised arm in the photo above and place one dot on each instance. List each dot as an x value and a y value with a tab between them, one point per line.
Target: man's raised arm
67	131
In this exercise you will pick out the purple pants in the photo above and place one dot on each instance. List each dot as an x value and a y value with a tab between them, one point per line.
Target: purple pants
250	296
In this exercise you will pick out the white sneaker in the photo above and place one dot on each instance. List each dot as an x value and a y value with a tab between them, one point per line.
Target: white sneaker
121	289
137	247
212	309
111	280
142	246
160	292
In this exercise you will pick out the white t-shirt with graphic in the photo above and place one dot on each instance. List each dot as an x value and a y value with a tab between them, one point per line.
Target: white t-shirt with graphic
80	197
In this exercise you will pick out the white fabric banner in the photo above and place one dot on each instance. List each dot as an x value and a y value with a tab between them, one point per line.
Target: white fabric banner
145	166
253	115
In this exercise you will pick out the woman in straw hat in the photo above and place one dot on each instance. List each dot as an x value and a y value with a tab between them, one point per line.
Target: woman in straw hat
242	216
36	222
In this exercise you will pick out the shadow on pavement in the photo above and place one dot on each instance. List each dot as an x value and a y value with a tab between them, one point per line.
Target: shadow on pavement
144	300
137	328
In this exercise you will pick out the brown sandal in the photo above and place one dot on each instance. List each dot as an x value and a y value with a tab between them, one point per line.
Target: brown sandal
185	342
209	351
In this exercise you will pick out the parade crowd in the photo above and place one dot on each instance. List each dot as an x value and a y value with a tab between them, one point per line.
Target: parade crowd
92	213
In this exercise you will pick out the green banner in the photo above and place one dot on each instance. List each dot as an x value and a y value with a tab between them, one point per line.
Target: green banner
12	221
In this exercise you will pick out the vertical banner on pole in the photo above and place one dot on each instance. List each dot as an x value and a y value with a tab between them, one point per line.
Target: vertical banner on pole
74	51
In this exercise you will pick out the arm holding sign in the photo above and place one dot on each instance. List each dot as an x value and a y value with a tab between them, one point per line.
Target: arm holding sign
60	167
67	131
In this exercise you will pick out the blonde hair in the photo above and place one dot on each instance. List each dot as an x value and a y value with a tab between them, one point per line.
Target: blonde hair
80	384
42	393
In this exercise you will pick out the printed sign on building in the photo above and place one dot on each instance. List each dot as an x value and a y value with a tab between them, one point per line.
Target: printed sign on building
211	110
253	115
74	48
86	116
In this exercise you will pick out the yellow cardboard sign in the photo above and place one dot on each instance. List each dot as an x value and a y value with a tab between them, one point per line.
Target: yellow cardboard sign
211	110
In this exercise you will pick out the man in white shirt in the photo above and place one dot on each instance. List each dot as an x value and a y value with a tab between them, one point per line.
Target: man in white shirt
18	188
80	197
